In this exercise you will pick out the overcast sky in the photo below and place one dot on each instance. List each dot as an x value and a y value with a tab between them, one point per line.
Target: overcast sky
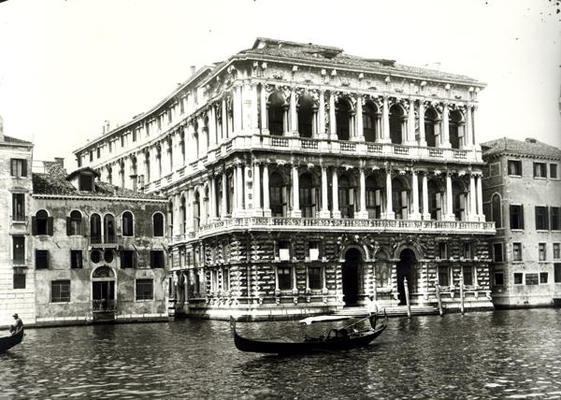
66	66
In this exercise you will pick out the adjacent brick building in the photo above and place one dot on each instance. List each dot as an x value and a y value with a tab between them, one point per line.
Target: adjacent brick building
302	180
522	195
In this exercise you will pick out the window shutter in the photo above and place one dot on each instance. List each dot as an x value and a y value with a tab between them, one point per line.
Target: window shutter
12	172
33	226
24	168
135	259
152	257
546	217
521	217
122	257
68	223
50	226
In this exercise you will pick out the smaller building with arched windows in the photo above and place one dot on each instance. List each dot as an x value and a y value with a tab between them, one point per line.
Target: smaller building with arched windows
98	251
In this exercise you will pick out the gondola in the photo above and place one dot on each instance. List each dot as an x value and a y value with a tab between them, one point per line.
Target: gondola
7	342
335	339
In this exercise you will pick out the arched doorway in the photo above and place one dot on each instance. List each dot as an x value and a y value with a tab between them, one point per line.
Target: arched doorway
350	274
103	293
406	269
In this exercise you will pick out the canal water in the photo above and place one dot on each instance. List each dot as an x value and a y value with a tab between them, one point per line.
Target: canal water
502	354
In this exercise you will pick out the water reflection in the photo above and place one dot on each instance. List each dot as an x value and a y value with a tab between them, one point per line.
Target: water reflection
505	354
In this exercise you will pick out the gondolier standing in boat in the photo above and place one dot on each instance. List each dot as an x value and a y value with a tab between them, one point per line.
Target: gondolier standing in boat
17	326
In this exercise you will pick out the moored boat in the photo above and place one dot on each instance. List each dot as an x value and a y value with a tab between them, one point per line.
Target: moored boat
335	339
7	342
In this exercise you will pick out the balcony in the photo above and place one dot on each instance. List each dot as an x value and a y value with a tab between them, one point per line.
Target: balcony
331	224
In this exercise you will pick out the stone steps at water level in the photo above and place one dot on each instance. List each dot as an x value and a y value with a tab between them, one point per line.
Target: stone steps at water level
393	311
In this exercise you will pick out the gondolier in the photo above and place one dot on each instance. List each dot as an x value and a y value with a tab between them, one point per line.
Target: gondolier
17	326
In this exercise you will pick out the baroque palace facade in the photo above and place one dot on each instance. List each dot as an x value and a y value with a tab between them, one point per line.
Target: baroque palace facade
301	180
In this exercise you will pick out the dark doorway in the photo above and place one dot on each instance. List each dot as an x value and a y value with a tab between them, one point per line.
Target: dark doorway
103	294
405	269
353	259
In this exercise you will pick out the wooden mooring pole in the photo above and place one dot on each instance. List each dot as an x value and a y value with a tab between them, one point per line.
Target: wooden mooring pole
462	294
406	289
440	311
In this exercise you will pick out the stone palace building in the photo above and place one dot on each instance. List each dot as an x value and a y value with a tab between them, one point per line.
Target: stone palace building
302	180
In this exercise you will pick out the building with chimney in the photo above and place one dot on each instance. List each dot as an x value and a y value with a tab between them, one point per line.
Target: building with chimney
303	180
522	195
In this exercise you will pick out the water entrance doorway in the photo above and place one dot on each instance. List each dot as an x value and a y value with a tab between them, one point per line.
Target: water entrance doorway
405	269
103	293
350	275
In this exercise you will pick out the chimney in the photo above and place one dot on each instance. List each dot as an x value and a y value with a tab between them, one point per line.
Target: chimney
60	161
106	126
193	69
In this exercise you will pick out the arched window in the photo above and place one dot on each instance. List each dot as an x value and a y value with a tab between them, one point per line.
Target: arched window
431	127
373	198
347	194
95	228
74	223
42	224
305	116
383	269
109	228
183	213
435	193
369	121
459	200
396	124
343	119
158	223
400	198
496	212
147	168
454	126
276	110
308	196
277	195
128	224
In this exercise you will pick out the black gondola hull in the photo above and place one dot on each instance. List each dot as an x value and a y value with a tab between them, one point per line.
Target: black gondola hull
7	342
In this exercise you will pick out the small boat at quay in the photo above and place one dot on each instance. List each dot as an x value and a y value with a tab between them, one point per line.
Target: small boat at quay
344	338
7	342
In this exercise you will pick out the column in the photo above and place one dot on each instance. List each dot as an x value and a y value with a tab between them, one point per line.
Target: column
480	214
224	195
385	137
422	138
336	213
266	203
212	127
237	110
449	216
224	133
445	139
213	198
468	135
389	202
324	213
363	213
176	201
411	123
472	199
293	116
415	214
238	209
263	105
321	116
296	212
258	211
426	210
332	122
473	125
359	134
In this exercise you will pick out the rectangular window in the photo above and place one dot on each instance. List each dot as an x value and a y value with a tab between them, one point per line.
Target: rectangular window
18	249
284	278
518	278
98	151
557	272
468	251
314	278
76	259
443	276
122	140
540	170
542	252
555	214
313	251
544	277
517	252
498	252
542	219
495	169
128	259
134	133
442	251
41	259
556	251
284	250
499	278
19	280
91	156
18	206
60	291
516	217
531	279
144	289
157	259
468	275
225	279
86	182
18	167
553	171
515	167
